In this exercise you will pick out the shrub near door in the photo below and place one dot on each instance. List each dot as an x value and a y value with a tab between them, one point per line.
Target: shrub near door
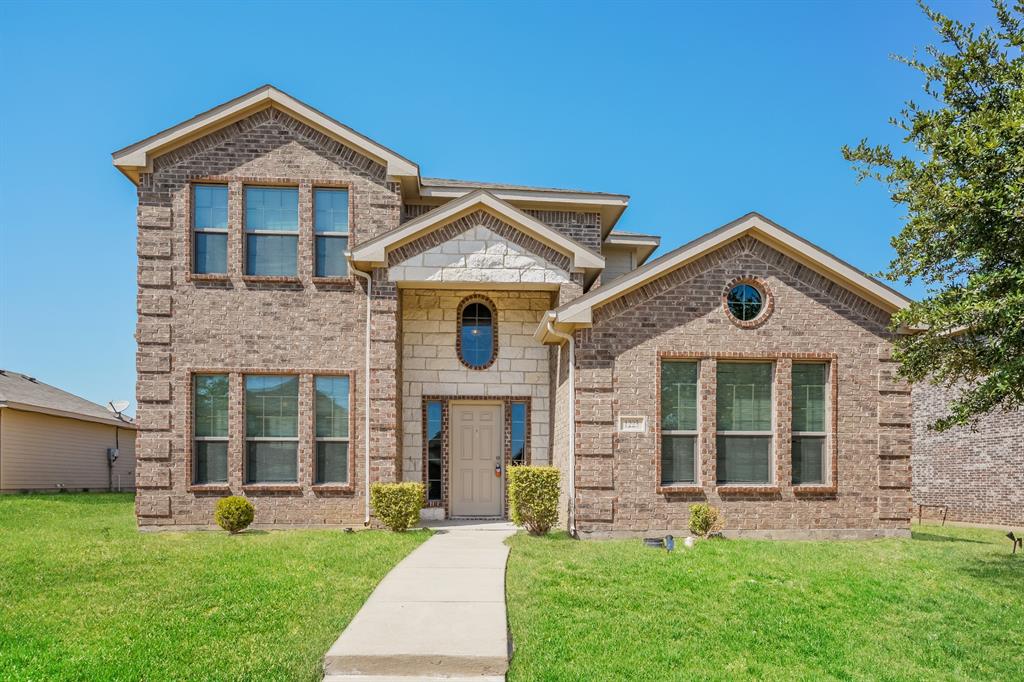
397	505
533	497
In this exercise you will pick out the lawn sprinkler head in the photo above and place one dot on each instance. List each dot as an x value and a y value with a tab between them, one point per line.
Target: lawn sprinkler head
1017	542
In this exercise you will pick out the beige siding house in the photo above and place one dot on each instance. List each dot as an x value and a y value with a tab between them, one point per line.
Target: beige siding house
52	440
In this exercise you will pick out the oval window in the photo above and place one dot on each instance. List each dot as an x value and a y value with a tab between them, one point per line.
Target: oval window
745	302
476	340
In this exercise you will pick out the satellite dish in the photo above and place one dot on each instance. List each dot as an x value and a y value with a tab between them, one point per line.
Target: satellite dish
118	406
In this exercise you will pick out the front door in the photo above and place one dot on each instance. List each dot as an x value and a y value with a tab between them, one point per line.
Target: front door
476	451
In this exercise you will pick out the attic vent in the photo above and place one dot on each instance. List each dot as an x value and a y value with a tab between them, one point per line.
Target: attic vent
32	379
635	424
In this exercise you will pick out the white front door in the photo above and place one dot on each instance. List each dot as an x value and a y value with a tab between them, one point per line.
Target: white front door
476	437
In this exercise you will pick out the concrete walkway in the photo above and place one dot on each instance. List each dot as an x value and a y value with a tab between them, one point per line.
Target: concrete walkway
440	613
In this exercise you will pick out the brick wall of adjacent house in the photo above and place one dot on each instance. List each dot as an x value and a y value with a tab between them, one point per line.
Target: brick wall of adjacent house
238	325
682	314
976	472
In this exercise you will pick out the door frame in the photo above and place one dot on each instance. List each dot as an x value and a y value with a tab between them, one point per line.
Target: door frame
503	411
446	402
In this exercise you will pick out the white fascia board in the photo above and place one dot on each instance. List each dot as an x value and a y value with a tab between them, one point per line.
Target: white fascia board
522	195
139	156
579	311
375	250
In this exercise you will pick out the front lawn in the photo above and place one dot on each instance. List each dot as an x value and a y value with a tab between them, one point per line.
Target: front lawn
948	604
83	595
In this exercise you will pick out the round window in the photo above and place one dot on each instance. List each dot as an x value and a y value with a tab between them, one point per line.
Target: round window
745	302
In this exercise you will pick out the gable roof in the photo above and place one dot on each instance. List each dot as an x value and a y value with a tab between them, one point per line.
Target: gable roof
375	250
579	312
137	158
22	392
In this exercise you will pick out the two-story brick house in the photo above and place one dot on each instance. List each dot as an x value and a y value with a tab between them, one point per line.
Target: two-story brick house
315	315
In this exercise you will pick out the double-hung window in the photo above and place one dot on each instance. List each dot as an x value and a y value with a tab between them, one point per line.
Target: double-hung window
434	426
330	223
518	435
271	231
210	428
271	429
332	429
678	422
809	422
209	229
744	422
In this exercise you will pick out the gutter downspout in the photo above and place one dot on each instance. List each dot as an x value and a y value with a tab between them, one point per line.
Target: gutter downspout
366	390
572	423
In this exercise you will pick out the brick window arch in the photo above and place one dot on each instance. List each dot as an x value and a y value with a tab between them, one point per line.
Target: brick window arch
476	337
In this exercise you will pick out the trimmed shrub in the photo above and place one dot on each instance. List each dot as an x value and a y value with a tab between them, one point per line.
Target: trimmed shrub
704	520
533	497
397	505
234	514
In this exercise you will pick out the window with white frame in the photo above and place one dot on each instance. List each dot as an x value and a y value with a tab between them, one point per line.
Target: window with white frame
332	423
271	429
210	428
271	231
810	410
209	229
744	422
679	422
330	225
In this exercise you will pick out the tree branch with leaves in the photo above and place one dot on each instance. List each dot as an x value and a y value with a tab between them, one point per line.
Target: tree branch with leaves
962	187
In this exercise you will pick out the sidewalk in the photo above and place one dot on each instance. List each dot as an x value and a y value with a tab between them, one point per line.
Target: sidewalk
439	613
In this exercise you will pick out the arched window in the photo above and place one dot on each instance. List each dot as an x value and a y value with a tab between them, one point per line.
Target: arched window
477	338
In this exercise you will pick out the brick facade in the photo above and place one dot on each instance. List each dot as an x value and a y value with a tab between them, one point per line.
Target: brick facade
682	315
235	324
306	326
977	473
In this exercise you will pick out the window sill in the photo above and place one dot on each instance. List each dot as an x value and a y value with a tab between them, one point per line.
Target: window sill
683	489
209	488
748	489
814	489
332	488
271	279
208	277
332	281
272	488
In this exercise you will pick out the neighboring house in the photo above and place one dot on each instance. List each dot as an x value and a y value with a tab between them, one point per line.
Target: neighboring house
51	440
976	473
748	368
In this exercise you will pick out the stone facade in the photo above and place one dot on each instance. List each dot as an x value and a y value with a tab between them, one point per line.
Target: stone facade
681	315
976	472
430	366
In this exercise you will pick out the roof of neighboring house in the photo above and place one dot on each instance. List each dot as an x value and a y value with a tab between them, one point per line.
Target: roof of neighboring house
23	392
578	312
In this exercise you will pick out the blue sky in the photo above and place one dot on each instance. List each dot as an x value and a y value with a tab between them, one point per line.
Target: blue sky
701	112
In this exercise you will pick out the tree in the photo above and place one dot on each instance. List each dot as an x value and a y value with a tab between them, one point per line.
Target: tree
963	233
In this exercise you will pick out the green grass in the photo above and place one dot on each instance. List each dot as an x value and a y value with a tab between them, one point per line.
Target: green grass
84	595
948	604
